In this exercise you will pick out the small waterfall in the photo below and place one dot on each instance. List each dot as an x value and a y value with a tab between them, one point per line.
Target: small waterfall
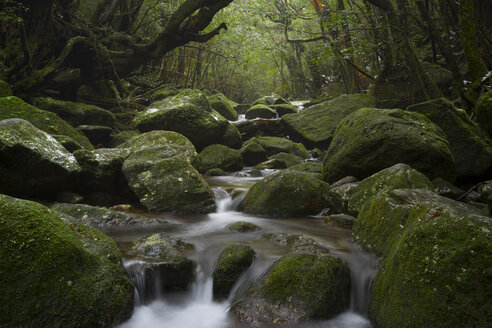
227	202
363	268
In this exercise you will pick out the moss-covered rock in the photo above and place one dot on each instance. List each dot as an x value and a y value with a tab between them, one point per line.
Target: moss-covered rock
315	126
289	193
271	164
219	156
243	226
102	173
436	260
164	92
67	142
164	260
5	90
102	217
260	111
283	109
200	126
275	145
370	140
33	163
232	261
120	137
446	188
232	137
470	145
58	272
288	159
223	106
253	153
76	113
300	286
308	167
215	172
341	220
167	185
399	176
260	127
13	107
270	100
483	112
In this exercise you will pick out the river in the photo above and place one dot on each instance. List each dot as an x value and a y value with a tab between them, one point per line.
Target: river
196	308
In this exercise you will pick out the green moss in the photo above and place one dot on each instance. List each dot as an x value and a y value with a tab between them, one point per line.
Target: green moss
483	112
260	111
232	261
275	145
283	109
253	153
310	167
243	226
58	272
5	89
13	107
219	156
223	106
288	159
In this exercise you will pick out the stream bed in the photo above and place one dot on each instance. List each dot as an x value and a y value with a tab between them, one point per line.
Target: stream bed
195	308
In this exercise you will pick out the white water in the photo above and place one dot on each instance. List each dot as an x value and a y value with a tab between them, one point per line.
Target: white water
196	308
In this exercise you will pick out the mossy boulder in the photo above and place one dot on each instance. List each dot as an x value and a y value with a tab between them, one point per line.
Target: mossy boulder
167	184
288	159
483	112
300	286
243	226
102	173
13	107
470	145
223	106
436	262
164	261
260	127
219	156
288	193
67	142
76	113
33	163
253	153
5	90
271	164
446	188
232	137
57	272
283	109
370	140
166	143
341	220
103	217
270	100
186	115
232	261
120	137
164	92
308	167
315	126
275	145
260	111
399	176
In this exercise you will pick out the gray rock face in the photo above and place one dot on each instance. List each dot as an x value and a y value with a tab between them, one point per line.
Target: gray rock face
370	140
470	145
33	163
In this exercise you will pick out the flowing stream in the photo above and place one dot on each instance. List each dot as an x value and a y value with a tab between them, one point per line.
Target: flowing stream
196	308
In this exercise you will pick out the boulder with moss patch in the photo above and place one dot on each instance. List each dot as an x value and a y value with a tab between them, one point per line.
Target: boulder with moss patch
13	107
253	153
315	126
371	139
231	137
76	113
270	100
260	111
57	272
219	156
289	193
275	145
483	112
284	109
260	127
243	226
33	163
399	176
436	262
232	262
288	159
223	106
470	145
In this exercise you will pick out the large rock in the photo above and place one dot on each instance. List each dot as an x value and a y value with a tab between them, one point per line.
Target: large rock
13	107
260	127
223	106
483	112
284	109
253	153
470	145
232	261
102	173
102	217
273	99
167	184
260	111
232	137
370	140
289	193
436	262
288	159
33	163
301	286
76	113
275	145
315	126
188	113
164	263
58	272
219	156
399	176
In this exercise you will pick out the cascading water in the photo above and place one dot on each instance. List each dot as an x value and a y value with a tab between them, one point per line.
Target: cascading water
196	308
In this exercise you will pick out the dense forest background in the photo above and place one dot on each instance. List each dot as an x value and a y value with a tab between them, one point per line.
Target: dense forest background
106	51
